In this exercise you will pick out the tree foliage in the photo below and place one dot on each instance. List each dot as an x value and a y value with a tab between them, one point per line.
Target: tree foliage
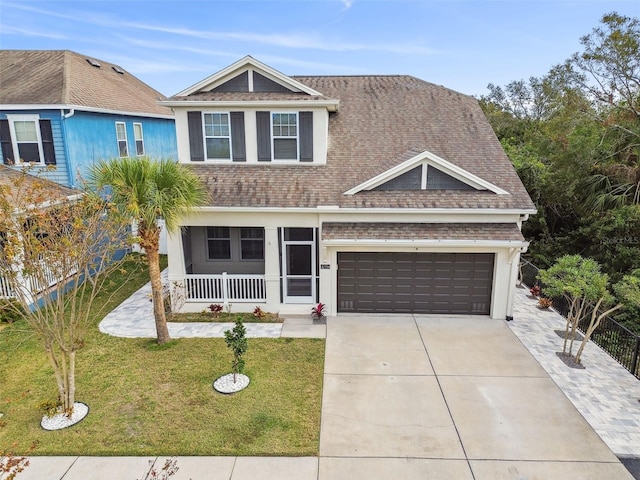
586	289
56	252
573	136
146	190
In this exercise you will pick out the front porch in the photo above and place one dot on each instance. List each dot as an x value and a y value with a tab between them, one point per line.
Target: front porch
242	267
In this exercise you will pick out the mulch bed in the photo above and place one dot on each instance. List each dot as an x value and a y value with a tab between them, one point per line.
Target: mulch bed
570	361
578	338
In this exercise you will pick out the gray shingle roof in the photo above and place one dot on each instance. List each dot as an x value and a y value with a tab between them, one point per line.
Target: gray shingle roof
62	77
13	182
382	121
421	231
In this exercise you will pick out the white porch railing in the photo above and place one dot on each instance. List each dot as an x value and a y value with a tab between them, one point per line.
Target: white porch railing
225	288
5	288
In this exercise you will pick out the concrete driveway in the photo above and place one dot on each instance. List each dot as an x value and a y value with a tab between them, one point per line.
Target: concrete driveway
447	398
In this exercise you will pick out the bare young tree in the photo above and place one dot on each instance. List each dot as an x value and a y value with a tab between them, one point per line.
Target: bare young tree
57	248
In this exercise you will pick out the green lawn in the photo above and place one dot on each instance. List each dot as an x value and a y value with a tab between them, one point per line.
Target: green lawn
150	400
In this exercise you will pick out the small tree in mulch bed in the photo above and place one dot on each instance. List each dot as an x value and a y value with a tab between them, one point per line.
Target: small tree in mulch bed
237	342
580	281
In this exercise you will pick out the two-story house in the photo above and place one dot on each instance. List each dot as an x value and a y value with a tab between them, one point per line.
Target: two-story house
63	110
366	193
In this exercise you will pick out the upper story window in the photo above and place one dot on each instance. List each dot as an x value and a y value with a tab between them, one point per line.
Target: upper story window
284	127
27	138
121	136
139	138
217	136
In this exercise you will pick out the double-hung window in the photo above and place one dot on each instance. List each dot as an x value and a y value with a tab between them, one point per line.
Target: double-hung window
26	140
252	243
217	135
218	243
121	136
139	138
285	136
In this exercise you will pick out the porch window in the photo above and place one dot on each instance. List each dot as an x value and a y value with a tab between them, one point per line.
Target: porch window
121	136
139	138
218	243
285	136
217	134
252	243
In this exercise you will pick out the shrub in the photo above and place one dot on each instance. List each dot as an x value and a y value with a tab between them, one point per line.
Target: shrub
237	342
258	313
10	310
317	312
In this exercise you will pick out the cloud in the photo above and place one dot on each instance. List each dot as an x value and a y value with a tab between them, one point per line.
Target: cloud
292	40
7	30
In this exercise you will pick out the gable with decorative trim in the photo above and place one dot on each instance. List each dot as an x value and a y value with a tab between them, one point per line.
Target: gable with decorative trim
426	171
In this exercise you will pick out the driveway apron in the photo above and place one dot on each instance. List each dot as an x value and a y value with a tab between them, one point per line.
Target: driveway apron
447	397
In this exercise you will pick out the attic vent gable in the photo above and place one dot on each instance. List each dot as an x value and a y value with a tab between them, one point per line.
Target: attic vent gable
411	180
239	83
438	180
444	176
264	84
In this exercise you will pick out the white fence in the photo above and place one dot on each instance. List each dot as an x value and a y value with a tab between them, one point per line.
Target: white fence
225	288
5	288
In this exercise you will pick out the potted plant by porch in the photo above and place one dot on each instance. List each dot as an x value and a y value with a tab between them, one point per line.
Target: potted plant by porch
318	314
236	340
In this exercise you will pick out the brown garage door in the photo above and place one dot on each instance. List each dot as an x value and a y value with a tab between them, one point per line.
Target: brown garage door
403	282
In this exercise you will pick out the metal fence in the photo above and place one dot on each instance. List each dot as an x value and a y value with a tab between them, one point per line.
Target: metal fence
614	338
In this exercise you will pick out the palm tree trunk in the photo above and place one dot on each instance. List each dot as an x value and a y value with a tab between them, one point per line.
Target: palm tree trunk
153	260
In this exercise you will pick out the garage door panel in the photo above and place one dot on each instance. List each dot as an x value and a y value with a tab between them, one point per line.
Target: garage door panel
405	282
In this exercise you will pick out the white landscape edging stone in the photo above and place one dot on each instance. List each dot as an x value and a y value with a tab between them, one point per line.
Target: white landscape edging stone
225	383
60	420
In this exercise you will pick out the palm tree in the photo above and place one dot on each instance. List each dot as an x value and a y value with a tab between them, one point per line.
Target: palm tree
147	190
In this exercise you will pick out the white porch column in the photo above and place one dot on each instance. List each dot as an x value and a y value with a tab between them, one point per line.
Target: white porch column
176	270
272	268
327	284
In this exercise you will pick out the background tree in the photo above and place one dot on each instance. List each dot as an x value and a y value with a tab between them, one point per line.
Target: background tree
573	136
628	291
578	281
586	289
146	190
56	252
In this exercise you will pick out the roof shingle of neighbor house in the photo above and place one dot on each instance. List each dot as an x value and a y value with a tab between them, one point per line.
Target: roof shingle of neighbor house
14	183
66	78
382	121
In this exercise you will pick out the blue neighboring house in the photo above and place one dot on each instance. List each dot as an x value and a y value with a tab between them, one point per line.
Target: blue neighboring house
64	111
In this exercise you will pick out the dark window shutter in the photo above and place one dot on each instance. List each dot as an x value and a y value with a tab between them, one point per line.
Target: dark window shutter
47	142
306	136
237	137
5	142
196	142
263	126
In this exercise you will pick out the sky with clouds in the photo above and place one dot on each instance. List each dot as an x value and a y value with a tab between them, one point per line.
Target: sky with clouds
170	45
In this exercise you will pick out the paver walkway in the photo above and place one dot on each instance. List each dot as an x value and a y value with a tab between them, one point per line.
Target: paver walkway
605	393
133	318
